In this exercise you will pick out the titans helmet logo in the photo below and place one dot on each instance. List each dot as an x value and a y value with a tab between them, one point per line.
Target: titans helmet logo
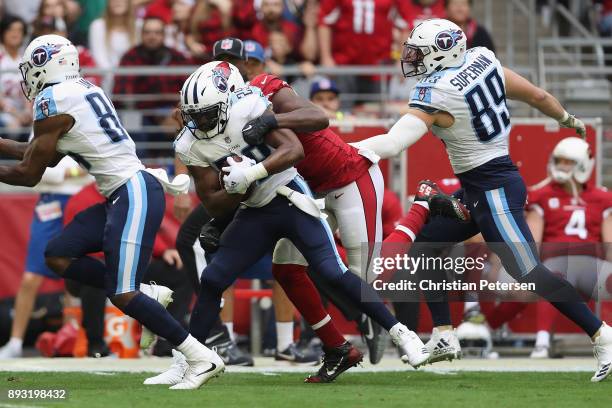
221	74
41	55
447	39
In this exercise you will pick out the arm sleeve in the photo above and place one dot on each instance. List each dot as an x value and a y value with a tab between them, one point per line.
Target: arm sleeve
406	132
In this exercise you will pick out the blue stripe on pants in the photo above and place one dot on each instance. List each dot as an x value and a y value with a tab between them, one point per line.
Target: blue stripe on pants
306	190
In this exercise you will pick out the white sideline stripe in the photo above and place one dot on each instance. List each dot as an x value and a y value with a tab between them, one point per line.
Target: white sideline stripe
266	365
5	405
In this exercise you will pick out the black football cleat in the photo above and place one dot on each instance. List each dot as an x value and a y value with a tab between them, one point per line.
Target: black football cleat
440	203
335	362
227	349
294	355
374	336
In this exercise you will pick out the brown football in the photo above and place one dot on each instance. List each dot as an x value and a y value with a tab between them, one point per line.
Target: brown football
225	173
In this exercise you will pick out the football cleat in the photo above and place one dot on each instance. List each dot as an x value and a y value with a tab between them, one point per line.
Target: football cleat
221	342
174	374
441	204
374	336
200	372
412	349
443	345
10	351
294	355
602	349
540	352
161	294
336	361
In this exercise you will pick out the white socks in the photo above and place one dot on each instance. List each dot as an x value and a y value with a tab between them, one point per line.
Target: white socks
542	339
284	335
230	329
194	350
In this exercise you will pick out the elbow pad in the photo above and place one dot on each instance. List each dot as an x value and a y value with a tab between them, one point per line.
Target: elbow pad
403	134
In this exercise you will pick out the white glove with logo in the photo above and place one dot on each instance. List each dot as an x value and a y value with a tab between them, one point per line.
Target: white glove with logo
242	174
570	121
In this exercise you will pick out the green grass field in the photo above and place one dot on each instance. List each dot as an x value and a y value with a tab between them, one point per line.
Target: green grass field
384	389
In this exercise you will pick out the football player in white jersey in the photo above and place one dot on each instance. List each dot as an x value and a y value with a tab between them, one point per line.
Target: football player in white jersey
73	117
274	202
461	97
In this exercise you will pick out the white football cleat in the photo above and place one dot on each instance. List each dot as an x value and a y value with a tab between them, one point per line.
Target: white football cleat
10	350
411	347
540	352
602	349
200	372
174	374
443	345
161	294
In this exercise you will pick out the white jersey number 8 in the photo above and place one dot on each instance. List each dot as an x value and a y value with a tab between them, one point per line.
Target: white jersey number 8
489	111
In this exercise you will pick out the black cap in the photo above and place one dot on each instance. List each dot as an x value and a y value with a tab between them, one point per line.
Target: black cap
229	46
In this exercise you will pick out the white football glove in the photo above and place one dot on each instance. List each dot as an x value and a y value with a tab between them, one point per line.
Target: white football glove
570	121
237	182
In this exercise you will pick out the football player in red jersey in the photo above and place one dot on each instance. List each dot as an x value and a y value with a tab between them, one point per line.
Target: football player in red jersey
349	180
568	210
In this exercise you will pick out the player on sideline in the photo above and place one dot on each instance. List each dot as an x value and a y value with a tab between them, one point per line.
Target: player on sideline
278	205
74	117
462	99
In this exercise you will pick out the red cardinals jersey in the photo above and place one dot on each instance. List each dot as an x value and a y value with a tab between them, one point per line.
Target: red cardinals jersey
329	163
568	219
415	14
362	29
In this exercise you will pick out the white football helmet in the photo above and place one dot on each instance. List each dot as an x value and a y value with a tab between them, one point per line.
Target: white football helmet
47	60
205	98
433	45
577	150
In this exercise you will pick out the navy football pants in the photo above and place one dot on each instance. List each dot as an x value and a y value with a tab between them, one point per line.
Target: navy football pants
124	227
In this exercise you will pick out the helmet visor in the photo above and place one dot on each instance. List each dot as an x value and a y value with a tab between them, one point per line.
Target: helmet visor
209	121
24	68
412	60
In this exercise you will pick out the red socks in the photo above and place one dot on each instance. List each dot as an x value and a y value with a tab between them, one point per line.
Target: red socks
305	297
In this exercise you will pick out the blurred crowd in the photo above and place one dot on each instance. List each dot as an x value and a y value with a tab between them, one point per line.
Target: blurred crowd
113	33
306	33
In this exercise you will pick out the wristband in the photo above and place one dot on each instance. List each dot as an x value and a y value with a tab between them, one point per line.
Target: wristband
270	120
256	172
565	117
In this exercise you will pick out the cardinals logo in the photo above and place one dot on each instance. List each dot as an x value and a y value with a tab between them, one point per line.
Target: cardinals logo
42	55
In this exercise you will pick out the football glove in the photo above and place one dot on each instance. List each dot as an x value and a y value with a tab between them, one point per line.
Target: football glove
255	131
570	121
209	237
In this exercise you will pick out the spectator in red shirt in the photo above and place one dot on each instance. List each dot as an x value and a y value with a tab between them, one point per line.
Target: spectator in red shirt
273	20
152	52
358	33
213	20
417	11
460	13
